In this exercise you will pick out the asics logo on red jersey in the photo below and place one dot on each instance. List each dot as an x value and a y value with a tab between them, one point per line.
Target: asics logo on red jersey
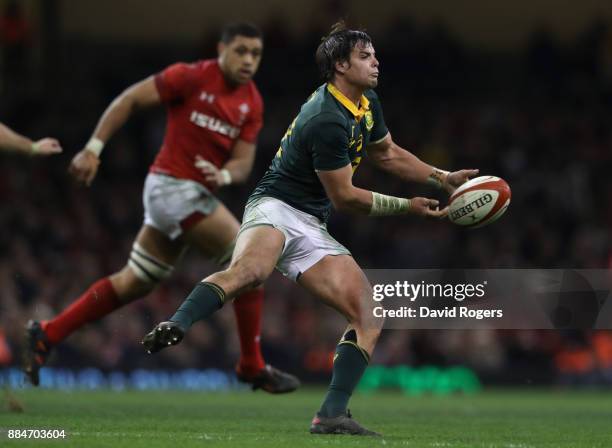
214	124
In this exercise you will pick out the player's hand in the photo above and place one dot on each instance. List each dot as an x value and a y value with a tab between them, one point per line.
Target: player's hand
84	167
457	178
46	147
427	208
212	174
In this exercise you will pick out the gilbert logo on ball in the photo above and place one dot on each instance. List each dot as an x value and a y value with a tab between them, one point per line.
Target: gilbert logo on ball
479	201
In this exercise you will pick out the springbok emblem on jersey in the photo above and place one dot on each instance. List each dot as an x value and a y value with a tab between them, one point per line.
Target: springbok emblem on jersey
369	120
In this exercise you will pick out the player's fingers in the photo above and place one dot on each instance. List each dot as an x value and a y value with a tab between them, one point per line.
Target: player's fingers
74	171
50	141
432	203
438	213
52	149
205	165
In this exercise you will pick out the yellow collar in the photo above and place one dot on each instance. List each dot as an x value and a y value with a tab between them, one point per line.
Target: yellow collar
364	103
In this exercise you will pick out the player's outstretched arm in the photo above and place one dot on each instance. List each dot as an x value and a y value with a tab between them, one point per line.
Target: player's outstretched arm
235	171
346	197
392	158
84	165
12	141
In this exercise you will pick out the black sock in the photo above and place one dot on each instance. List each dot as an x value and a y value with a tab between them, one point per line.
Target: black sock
350	362
204	300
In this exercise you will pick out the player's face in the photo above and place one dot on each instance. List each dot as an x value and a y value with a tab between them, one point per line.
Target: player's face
240	58
363	69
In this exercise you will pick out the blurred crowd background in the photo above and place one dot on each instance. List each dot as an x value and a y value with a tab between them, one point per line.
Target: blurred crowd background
537	112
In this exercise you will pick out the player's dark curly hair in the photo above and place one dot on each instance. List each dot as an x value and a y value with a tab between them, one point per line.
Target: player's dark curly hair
246	29
337	47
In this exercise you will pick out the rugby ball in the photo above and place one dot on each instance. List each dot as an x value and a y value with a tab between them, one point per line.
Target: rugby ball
479	201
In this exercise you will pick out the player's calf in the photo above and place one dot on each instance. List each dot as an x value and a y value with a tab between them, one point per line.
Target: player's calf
357	307
128	286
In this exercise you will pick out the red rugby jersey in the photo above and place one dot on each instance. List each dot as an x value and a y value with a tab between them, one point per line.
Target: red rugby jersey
205	117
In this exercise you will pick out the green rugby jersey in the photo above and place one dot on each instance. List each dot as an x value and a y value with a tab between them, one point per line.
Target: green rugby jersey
330	132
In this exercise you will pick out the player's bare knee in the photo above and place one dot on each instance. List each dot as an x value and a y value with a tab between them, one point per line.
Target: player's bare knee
253	276
249	274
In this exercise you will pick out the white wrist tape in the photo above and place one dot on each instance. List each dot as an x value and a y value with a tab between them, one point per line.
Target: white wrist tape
226	177
437	178
383	205
34	148
95	145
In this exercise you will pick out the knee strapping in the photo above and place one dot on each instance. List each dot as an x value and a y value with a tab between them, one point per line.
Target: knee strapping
350	337
146	267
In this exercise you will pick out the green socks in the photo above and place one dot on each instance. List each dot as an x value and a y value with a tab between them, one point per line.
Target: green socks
204	300
350	362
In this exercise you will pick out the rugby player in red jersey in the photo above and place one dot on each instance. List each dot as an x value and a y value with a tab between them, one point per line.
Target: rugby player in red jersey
214	114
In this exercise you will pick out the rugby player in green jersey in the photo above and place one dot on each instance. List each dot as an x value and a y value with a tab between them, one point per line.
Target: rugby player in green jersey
284	223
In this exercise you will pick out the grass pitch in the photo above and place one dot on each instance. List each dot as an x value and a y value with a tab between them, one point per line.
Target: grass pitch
504	419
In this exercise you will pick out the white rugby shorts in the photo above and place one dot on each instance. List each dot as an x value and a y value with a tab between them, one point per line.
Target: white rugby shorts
169	202
307	240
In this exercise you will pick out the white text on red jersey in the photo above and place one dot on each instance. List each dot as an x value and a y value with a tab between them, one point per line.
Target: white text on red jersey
214	124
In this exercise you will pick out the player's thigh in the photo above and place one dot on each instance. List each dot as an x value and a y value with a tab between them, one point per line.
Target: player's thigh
340	282
214	235
159	245
255	255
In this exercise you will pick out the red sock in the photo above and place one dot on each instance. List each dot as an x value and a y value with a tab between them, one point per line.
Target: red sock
95	303
247	308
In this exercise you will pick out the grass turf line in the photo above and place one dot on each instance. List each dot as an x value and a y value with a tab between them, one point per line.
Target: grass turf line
504	419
